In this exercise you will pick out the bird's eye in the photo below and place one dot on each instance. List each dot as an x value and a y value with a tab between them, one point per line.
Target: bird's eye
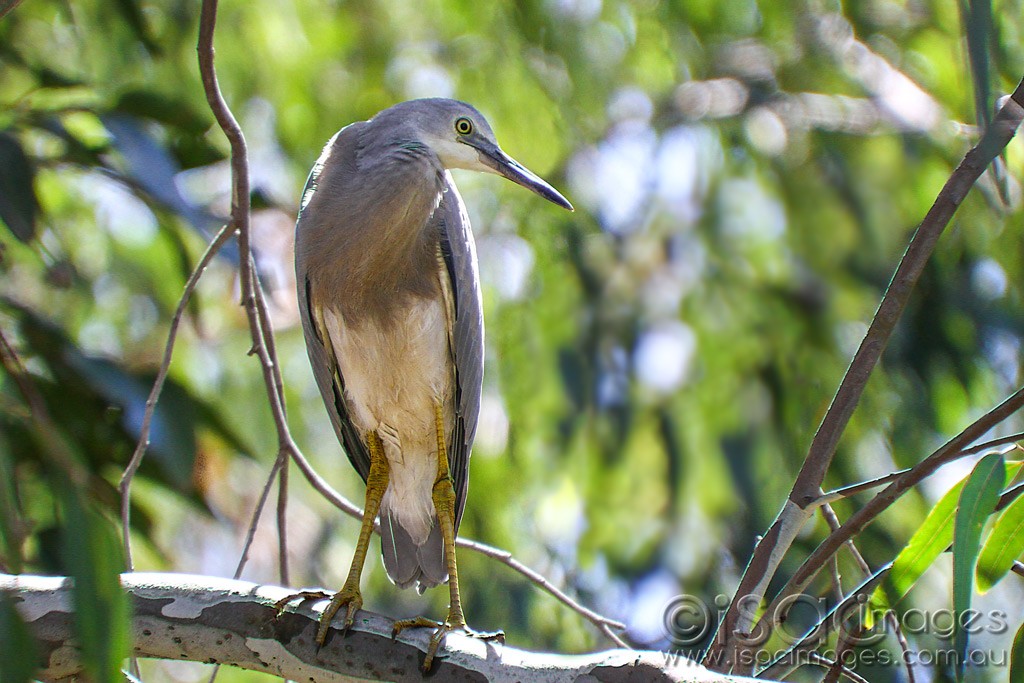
463	126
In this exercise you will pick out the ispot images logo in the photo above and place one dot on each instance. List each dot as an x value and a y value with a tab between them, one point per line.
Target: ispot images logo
690	623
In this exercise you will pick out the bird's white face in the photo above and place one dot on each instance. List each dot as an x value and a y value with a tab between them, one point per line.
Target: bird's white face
453	147
465	141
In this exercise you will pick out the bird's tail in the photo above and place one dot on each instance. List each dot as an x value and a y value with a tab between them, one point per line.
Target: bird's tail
408	563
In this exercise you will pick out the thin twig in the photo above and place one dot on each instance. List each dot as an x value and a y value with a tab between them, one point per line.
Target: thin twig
853	489
267	333
125	485
833	522
769	551
254	521
503	556
790	659
282	456
950	451
901	638
986	445
1009	496
282	523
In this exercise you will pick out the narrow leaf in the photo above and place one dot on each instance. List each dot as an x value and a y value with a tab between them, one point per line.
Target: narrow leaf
977	501
18	654
928	542
18	204
1004	545
93	557
1017	656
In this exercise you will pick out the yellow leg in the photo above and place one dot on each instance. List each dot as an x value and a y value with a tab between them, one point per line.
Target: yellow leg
376	484
443	496
349	596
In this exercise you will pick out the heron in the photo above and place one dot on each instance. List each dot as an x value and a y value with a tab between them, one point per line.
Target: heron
390	301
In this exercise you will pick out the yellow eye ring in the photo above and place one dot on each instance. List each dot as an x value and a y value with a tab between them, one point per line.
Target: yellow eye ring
463	126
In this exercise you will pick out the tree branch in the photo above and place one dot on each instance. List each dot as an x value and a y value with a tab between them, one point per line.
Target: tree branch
220	621
775	543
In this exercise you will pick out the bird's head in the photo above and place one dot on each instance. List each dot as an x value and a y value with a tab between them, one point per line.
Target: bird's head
461	138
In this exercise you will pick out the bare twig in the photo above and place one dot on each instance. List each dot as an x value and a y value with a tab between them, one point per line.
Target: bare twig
125	485
994	443
832	519
769	551
953	449
254	522
791	658
44	429
1009	496
854	489
506	558
604	624
833	522
282	526
901	638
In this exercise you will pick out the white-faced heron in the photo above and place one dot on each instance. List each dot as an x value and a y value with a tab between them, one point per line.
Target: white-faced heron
389	296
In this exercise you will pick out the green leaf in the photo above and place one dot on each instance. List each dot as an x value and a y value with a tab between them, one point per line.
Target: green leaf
1004	545
1017	656
977	501
177	112
977	18
92	554
928	542
18	656
18	204
132	14
12	526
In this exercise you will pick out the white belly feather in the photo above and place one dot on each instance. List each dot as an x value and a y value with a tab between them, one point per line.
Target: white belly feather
393	378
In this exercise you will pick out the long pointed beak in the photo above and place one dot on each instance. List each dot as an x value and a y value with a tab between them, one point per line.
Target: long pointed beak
502	164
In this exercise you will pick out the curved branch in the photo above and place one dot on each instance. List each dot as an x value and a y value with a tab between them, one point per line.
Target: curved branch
220	621
775	543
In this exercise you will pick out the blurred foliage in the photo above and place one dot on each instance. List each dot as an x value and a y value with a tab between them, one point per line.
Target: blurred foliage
746	175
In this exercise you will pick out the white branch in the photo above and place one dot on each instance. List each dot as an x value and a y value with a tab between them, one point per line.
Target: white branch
220	621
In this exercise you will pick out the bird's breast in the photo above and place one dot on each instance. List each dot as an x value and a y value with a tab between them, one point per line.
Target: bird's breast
394	365
395	372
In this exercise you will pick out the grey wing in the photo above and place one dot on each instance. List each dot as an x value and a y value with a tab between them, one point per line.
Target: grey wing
459	252
330	380
318	346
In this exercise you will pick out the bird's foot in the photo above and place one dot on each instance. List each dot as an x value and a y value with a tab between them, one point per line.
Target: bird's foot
441	629
348	597
301	596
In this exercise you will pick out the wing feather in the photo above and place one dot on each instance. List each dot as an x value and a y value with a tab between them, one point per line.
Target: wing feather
329	378
458	250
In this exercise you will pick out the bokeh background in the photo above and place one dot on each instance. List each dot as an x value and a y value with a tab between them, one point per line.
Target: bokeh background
746	175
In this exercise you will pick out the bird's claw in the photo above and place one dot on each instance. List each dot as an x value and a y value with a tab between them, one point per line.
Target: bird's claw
302	596
441	629
348	597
